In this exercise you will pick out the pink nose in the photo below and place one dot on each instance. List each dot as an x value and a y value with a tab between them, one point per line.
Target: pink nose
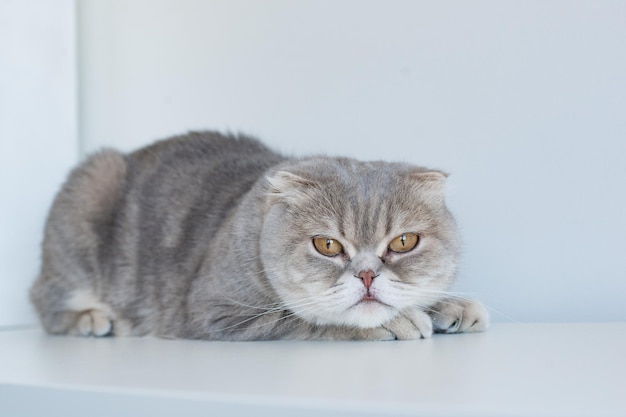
367	277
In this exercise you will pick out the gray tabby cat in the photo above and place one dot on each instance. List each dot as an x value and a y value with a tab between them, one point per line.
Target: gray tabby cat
207	236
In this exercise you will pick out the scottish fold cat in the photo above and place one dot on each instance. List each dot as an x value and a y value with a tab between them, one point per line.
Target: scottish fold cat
211	236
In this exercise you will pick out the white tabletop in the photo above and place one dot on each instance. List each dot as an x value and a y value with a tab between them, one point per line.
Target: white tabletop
511	370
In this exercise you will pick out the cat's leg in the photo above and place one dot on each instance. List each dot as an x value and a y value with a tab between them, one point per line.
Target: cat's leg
453	315
68	291
75	312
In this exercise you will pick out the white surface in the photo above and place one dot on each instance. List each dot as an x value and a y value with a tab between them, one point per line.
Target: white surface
523	102
38	142
511	370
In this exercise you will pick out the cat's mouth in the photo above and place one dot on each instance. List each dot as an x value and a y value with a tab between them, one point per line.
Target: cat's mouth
369	299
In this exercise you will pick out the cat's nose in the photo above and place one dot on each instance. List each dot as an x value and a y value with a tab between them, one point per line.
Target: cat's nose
367	277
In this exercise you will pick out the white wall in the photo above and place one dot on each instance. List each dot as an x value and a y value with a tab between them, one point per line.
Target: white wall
523	102
38	142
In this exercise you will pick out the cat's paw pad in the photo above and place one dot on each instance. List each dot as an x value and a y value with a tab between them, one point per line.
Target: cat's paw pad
459	316
93	322
411	324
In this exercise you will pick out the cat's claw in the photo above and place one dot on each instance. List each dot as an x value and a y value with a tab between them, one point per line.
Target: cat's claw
411	324
459	316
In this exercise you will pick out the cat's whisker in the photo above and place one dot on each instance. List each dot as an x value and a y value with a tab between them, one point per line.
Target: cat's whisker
443	295
499	313
451	294
305	302
439	313
277	306
292	316
292	305
270	306
463	297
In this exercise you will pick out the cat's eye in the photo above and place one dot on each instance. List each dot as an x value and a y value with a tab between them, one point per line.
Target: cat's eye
404	243
327	246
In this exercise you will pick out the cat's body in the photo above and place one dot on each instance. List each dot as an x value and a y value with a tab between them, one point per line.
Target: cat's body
215	237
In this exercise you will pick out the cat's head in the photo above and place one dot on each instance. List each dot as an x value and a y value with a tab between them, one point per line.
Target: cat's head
354	243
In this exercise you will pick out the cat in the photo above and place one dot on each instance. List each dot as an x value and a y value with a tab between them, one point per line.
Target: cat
213	236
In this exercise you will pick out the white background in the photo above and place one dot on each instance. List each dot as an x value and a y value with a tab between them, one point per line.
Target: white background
38	141
523	103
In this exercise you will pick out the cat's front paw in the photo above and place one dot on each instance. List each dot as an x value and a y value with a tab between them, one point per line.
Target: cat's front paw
410	324
93	323
459	316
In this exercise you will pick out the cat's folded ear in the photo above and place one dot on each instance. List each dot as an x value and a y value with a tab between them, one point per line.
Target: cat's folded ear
434	178
289	186
430	184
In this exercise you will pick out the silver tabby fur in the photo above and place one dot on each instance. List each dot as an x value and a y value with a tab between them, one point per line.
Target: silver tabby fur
209	236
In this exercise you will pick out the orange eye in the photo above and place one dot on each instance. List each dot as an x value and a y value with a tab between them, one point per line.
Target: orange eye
327	246
404	243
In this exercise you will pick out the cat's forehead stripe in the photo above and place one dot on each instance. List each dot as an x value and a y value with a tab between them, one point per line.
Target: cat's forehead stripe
367	200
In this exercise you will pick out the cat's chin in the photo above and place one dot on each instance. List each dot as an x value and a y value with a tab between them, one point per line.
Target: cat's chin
370	313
